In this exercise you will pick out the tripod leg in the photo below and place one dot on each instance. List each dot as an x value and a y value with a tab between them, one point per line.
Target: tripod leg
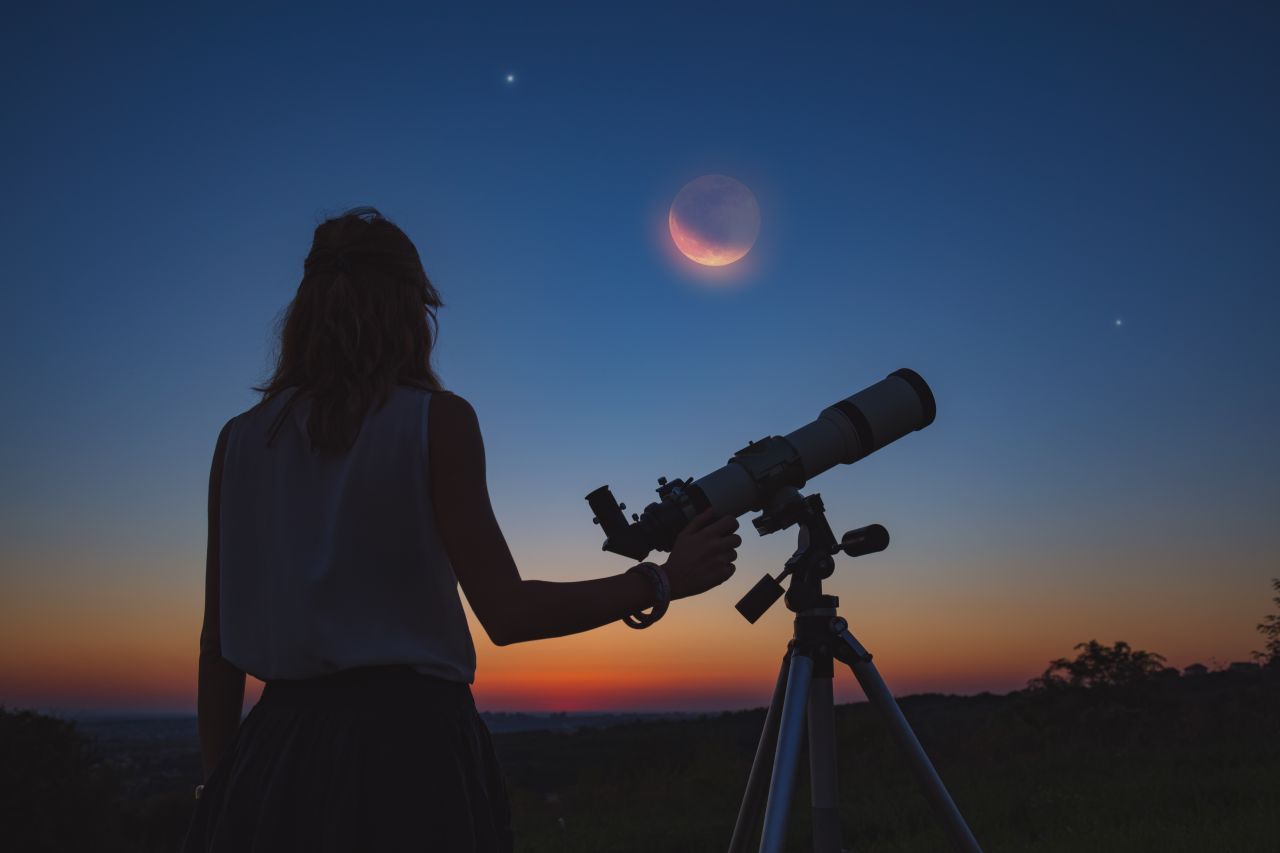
823	784
753	798
849	650
790	731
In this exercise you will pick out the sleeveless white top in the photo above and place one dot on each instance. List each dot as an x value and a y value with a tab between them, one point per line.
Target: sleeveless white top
330	562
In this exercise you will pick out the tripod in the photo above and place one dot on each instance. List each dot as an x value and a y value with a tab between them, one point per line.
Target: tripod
804	689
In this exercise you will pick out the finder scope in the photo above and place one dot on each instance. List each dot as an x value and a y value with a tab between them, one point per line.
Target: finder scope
845	432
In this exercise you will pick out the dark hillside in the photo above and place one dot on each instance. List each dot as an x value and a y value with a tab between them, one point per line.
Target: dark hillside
1188	763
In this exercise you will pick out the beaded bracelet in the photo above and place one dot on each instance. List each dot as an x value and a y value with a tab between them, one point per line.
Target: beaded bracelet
655	573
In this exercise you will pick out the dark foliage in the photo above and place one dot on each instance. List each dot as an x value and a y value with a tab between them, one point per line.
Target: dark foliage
60	792
1099	666
1269	628
55	794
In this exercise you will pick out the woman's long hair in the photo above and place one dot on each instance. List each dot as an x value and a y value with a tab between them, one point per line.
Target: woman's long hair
363	321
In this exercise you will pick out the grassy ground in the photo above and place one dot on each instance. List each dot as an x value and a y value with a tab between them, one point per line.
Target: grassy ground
1182	764
1190	765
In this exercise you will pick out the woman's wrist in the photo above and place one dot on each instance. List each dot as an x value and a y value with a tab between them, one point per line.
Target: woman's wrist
660	585
648	593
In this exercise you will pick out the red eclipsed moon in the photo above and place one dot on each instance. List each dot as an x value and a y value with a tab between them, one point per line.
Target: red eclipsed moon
714	220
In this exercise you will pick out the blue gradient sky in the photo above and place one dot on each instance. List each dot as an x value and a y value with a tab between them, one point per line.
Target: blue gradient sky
978	195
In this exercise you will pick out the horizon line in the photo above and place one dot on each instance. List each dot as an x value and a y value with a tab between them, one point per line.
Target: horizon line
78	713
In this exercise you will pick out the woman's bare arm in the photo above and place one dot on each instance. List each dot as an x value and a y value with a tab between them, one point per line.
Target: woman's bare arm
514	610
221	686
511	610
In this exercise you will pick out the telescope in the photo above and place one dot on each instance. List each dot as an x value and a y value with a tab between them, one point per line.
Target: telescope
766	475
844	432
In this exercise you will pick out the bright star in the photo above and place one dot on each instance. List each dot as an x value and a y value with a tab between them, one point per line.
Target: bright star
1119	322
511	78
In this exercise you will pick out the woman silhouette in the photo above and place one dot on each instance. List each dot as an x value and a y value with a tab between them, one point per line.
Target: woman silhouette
345	509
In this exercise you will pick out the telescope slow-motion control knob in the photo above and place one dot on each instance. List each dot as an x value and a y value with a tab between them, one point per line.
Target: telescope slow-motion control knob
864	540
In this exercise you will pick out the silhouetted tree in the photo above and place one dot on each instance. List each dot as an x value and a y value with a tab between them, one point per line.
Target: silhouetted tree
1100	666
1270	629
54	795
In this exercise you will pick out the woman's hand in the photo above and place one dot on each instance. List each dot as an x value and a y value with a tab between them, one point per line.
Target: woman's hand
703	554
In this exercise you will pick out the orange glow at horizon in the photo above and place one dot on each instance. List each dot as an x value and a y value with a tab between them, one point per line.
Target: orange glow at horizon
127	638
106	648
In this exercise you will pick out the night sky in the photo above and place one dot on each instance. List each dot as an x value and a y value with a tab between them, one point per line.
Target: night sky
1065	218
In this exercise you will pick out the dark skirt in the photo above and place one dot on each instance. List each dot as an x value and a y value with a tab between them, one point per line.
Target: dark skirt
377	758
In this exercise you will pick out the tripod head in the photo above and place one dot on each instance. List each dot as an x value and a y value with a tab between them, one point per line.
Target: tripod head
812	561
803	704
